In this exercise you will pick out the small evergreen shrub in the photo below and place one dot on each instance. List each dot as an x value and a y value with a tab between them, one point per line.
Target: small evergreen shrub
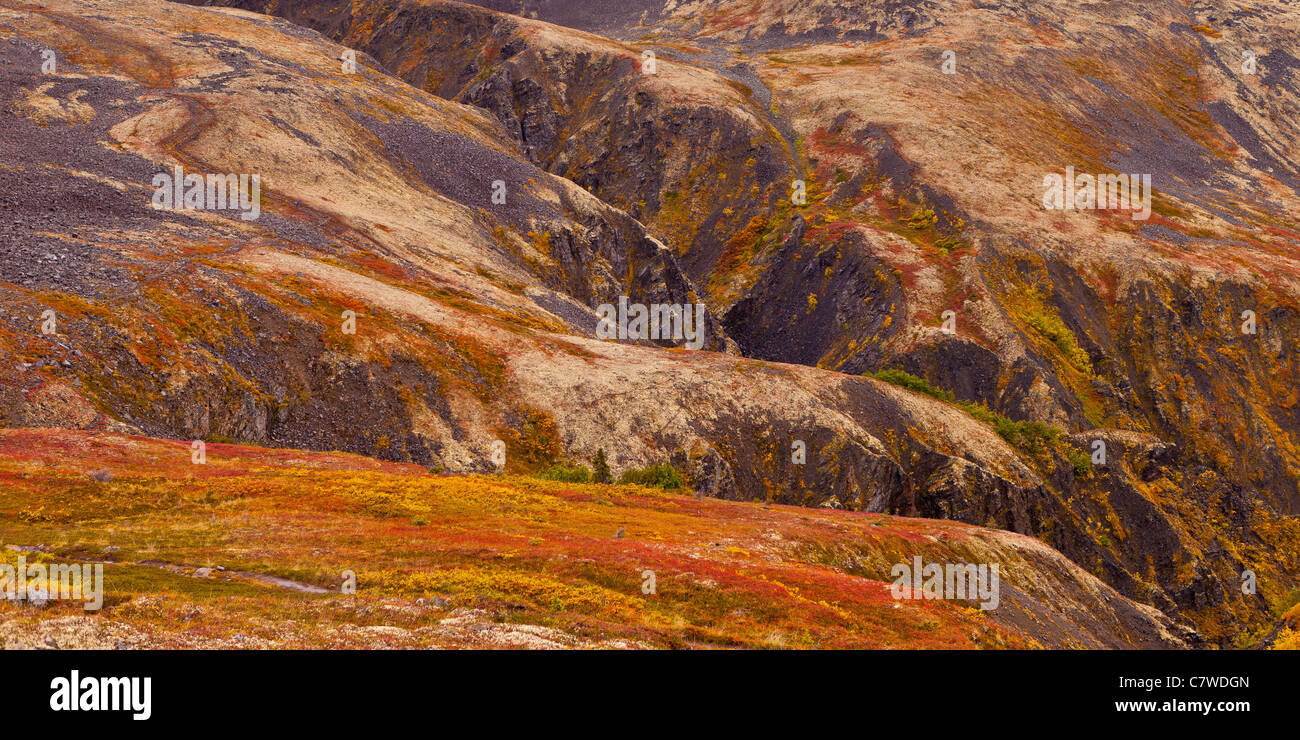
600	468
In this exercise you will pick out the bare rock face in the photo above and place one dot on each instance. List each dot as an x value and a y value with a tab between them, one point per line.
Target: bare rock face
440	223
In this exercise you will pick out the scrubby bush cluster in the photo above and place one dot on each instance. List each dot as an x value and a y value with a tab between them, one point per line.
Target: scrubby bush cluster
1031	437
655	476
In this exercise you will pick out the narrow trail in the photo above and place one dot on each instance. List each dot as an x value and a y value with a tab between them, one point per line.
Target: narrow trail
264	578
137	62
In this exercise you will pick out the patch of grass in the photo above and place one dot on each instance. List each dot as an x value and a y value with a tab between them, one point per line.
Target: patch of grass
1035	312
1051	327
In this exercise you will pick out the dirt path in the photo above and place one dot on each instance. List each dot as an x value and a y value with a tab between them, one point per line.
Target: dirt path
270	580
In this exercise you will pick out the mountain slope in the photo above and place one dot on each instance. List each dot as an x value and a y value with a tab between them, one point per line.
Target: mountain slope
924	195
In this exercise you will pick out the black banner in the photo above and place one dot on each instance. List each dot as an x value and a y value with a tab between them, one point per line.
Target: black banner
296	690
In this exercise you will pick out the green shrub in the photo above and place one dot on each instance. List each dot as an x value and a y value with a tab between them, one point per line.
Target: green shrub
655	476
1033	437
982	413
577	474
913	383
1080	460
